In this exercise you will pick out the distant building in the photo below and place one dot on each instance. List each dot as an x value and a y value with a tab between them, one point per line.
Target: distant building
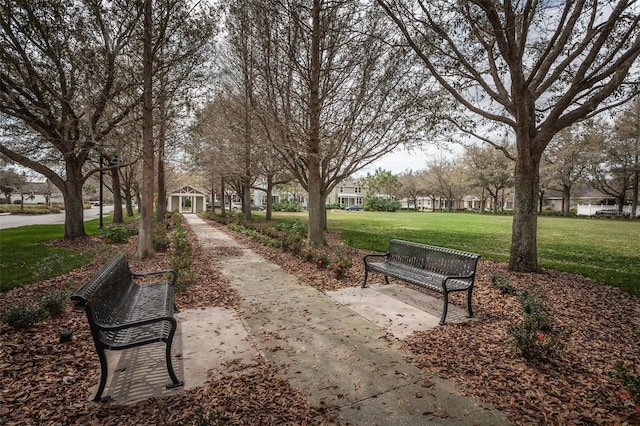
37	192
187	200
347	193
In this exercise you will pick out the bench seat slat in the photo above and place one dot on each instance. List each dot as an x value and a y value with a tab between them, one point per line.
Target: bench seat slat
419	277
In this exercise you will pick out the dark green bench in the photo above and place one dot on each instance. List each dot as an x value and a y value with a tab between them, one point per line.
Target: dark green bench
433	268
124	313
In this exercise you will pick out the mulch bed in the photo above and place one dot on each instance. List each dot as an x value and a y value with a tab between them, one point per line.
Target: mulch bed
45	381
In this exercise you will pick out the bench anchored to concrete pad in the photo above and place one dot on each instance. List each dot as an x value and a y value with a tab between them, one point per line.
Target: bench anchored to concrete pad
438	269
124	313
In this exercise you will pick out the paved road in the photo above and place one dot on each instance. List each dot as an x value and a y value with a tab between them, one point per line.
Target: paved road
16	220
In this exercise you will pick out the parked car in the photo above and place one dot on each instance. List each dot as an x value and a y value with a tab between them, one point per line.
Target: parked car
256	208
355	207
612	213
236	206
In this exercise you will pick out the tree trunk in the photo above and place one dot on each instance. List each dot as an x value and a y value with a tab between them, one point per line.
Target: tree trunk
524	257
246	199
316	222
161	206
636	182
223	210
129	205
145	245
323	212
73	205
268	214
117	196
315	234
566	200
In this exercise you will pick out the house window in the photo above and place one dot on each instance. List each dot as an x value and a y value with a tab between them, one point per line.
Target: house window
358	190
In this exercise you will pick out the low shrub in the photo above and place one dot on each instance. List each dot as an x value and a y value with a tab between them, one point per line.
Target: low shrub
176	219
378	204
287	206
115	234
21	316
53	304
295	226
536	336
49	266
159	237
502	283
340	264
630	381
181	256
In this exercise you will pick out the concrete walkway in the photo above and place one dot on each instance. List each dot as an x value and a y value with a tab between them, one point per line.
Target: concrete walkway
340	349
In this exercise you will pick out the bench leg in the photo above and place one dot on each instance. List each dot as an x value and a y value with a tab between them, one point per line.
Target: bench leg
103	374
469	304
366	274
445	308
174	379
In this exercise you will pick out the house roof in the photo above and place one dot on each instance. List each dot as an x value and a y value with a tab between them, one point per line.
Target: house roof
188	190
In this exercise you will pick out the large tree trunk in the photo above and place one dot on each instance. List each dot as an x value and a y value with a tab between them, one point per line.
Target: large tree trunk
145	244
524	257
246	199
315	234
268	214
73	205
316	220
117	196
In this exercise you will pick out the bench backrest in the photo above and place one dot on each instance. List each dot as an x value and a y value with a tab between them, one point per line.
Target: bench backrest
435	259
107	292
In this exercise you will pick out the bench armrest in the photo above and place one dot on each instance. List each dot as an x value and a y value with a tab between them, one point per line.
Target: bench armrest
174	274
374	255
458	277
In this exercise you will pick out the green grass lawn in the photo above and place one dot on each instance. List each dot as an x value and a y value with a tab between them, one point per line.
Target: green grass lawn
25	259
604	249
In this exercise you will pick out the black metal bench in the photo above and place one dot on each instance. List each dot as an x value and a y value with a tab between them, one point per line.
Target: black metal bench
124	313
434	268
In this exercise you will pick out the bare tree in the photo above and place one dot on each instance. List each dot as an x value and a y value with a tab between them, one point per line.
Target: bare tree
181	52
447	180
566	161
145	244
411	188
529	68
490	170
64	85
629	129
612	169
338	97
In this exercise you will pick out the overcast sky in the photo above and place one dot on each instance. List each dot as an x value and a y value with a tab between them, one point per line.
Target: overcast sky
403	160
